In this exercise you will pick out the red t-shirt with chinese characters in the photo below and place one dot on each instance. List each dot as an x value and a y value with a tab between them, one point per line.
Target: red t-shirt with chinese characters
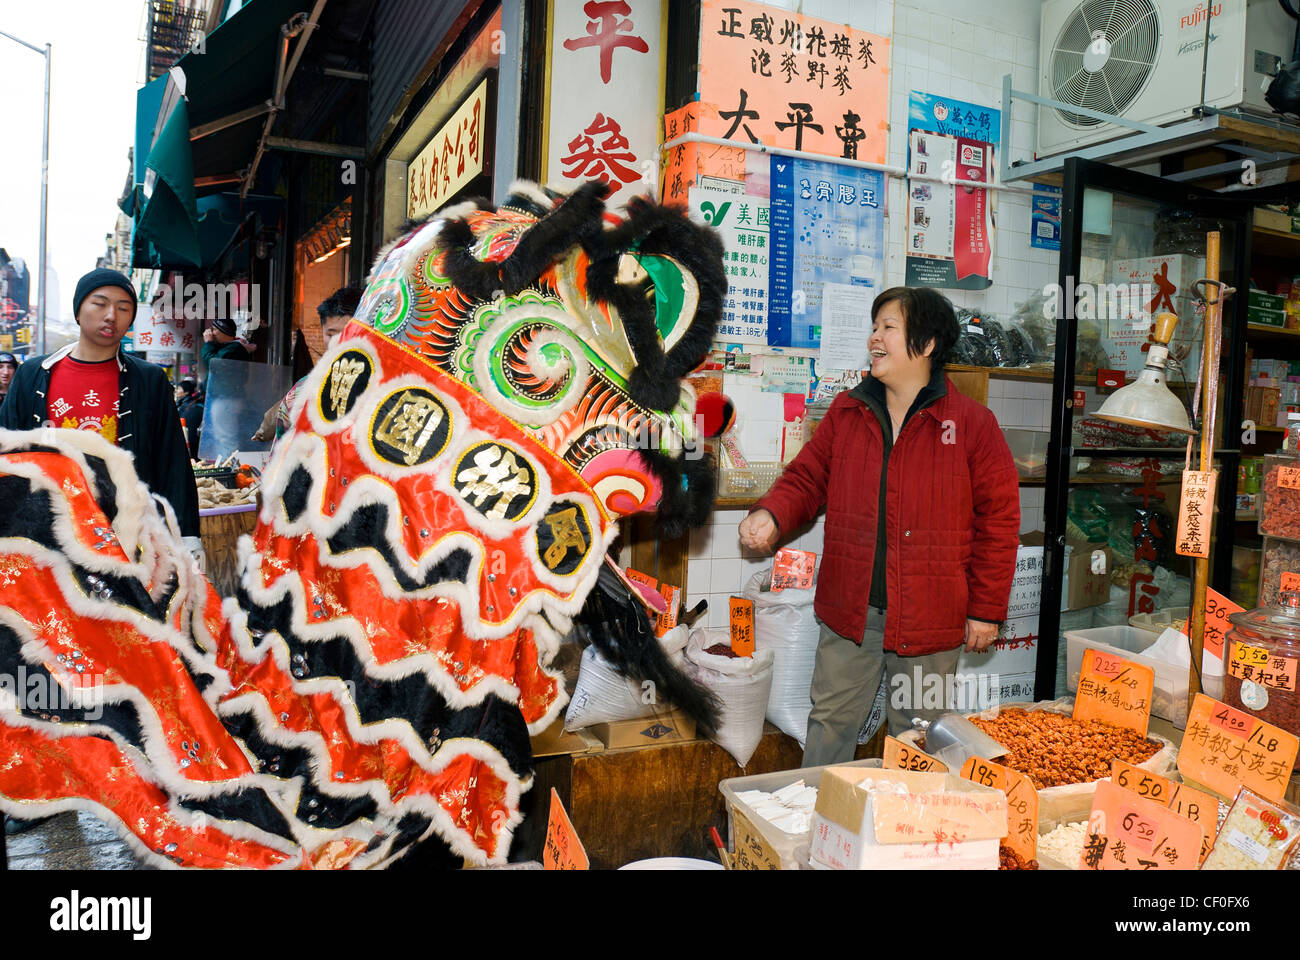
84	396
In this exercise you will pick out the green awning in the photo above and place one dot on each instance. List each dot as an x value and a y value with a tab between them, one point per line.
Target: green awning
206	138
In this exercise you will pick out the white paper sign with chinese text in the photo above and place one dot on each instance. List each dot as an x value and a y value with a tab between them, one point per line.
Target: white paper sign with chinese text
605	101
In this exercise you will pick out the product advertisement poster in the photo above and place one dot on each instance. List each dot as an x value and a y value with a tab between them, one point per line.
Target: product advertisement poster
1045	211
787	80
949	233
742	221
828	228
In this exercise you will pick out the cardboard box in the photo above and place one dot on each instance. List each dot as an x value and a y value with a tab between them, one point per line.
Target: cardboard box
667	726
554	741
1027	584
1082	588
942	822
1269	219
986	679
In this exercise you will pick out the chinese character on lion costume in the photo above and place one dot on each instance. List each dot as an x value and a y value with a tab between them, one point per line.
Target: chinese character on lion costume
433	525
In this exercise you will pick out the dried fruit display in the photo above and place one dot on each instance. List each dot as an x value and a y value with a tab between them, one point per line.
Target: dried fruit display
1279	514
1008	859
1054	749
1279	557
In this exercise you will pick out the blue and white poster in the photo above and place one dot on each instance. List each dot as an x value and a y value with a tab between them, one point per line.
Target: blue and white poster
828	227
1045	211
951	146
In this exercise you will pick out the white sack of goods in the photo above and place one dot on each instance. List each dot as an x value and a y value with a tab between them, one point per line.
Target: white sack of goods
784	624
741	684
603	695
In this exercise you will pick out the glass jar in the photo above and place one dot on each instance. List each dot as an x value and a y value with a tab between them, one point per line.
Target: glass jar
1263	666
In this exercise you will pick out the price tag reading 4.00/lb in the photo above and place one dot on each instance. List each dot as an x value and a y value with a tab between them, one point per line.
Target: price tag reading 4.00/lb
1196	805
1022	802
899	756
1128	832
1226	749
1114	690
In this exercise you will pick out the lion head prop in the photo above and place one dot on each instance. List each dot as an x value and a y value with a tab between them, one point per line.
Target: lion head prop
432	525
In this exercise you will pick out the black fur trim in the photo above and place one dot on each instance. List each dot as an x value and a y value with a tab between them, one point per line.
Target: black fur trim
682	506
617	624
576	220
476	279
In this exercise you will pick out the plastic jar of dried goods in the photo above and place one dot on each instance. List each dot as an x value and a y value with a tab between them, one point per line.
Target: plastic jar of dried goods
1263	649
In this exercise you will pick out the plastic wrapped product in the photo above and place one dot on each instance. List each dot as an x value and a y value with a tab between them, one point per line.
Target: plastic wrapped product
603	695
741	684
1257	834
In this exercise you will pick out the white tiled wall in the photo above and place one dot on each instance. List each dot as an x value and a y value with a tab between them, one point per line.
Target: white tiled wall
959	49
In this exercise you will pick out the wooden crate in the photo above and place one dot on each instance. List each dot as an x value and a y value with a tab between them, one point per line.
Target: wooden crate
221	533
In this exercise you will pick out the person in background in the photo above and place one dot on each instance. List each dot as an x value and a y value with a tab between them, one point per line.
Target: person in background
334	314
221	342
94	385
8	366
189	404
922	521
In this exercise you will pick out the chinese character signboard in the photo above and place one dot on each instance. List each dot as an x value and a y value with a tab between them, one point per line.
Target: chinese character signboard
828	228
605	98
950	225
787	80
686	162
451	159
743	222
165	330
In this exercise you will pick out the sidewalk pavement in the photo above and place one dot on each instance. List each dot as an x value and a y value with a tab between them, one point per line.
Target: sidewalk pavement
75	840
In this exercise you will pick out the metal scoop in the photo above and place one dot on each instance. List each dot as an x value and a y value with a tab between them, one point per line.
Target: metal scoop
953	739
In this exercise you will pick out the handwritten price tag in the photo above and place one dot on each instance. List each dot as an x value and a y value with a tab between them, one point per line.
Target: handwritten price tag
668	619
1196	805
1290	581
1288	477
1226	749
1114	690
899	756
1022	802
1195	513
1259	666
1128	832
1218	609
562	850
742	627
753	852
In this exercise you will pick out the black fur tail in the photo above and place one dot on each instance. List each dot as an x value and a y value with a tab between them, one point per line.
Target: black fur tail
617	624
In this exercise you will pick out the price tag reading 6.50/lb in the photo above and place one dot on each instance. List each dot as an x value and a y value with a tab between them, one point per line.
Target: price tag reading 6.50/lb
1022	802
1114	690
1226	749
899	756
1128	832
1196	805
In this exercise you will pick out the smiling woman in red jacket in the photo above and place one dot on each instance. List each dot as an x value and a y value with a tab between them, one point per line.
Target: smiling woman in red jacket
922	516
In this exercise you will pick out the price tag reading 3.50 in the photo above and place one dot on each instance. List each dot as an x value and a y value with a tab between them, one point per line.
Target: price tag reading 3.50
1114	690
899	756
1022	802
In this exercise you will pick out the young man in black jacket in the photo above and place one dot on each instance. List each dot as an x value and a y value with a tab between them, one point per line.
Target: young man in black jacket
93	385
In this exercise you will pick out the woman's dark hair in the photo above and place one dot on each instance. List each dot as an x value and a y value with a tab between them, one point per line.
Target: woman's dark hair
187	386
341	303
928	315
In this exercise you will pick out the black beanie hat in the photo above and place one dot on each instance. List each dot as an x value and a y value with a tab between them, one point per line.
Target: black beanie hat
226	326
101	277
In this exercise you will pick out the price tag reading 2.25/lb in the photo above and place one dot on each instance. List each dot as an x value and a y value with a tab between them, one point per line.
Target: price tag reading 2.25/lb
1115	691
1226	749
899	756
1196	805
1022	802
1128	832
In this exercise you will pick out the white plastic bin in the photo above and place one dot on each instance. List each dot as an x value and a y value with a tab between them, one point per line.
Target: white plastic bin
1169	694
785	845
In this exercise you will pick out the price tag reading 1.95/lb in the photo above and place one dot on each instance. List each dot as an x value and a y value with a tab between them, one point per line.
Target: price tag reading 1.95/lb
899	756
1114	690
1196	805
1128	832
1226	749
1022	802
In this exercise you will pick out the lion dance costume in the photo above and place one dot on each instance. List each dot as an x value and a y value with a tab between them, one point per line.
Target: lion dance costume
433	525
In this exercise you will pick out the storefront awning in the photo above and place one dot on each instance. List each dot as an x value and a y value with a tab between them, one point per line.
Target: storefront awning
198	129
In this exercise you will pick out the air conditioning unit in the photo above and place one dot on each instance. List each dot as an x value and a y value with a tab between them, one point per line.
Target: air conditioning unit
1142	60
